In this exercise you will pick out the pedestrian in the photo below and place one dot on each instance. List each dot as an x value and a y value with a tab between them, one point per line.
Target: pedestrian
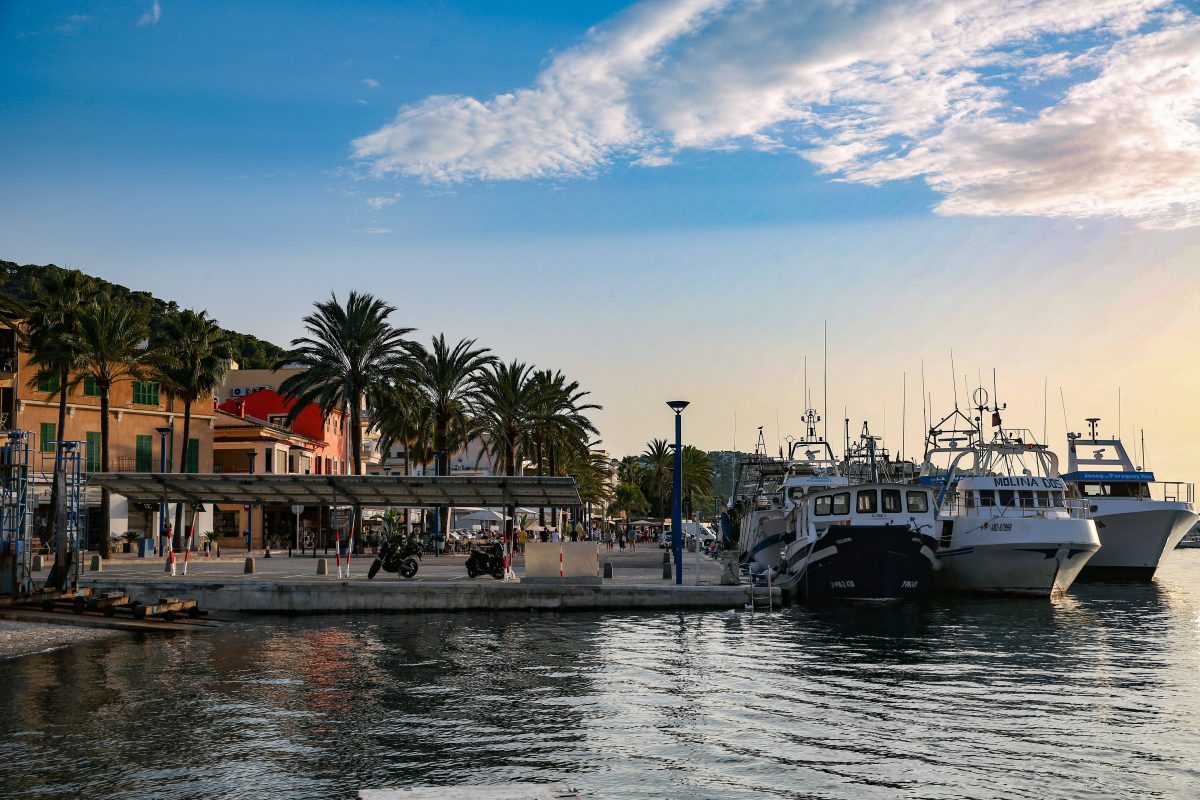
621	541
246	537
633	540
555	536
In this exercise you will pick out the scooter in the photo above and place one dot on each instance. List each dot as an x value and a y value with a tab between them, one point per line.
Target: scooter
397	555
486	561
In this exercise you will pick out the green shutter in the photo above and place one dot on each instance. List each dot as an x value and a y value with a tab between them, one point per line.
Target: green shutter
90	389
93	451
193	455
145	453
145	393
48	384
48	434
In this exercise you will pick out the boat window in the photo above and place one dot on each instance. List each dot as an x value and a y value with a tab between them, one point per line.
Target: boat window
796	493
1043	499
987	498
841	503
1092	489
1056	500
918	502
868	501
823	505
1006	497
891	501
1025	496
972	499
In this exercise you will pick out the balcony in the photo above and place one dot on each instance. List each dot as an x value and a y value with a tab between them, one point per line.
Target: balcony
8	361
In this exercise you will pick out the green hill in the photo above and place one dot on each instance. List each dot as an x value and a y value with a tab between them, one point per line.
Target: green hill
21	281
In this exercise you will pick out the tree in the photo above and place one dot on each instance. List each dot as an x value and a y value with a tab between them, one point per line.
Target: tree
192	355
349	350
659	463
111	342
51	324
697	474
507	403
561	425
629	501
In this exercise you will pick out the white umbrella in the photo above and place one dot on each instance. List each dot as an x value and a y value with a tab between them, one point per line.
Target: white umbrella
483	516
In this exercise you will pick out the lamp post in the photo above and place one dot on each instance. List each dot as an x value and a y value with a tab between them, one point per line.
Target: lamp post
163	433
677	491
437	511
250	509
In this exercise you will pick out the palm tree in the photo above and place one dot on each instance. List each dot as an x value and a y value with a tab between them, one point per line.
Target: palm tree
659	462
561	425
697	477
450	377
51	322
350	350
192	355
507	401
111	341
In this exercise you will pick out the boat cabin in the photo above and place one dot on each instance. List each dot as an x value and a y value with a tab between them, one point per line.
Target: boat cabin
1009	495
870	504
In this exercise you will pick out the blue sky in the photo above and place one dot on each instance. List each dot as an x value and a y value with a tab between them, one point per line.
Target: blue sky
663	198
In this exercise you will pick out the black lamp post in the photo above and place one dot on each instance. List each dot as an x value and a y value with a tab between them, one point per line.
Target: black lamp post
677	491
250	508
163	433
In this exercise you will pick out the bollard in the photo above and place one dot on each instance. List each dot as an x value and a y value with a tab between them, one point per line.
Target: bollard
97	564
249	570
666	558
267	554
37	563
667	570
322	566
608	569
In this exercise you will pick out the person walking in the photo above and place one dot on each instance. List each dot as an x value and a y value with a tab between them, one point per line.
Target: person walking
246	537
555	535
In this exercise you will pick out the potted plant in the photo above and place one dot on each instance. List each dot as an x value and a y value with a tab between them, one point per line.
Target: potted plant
131	538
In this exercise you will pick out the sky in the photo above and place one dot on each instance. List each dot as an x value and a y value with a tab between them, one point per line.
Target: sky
665	199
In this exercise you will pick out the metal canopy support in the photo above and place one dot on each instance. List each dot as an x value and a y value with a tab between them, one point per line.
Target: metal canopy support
328	490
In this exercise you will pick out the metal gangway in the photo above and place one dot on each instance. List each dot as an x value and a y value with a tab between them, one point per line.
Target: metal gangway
69	514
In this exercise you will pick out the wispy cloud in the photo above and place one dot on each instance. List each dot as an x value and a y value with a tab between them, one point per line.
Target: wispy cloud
374	231
371	82
383	201
152	16
1074	108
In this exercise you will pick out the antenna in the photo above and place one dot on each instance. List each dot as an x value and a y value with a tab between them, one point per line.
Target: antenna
806	403
903	413
954	379
924	408
825	380
1145	461
1063	397
1092	422
1118	413
1045	406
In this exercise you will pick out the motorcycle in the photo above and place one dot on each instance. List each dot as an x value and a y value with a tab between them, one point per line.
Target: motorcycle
486	561
397	555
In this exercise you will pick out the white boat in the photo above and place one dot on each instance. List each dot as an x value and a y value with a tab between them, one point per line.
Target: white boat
1006	525
1138	518
1190	540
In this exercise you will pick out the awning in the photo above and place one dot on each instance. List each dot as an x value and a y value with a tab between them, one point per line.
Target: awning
328	490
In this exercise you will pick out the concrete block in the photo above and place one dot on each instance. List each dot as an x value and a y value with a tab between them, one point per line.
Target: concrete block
249	570
37	563
322	566
97	564
667	572
608	569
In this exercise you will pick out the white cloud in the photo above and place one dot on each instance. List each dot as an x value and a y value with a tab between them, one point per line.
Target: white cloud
1075	108
377	203
375	231
371	82
152	16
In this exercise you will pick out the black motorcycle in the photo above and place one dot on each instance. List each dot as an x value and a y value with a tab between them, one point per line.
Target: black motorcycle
397	555
486	561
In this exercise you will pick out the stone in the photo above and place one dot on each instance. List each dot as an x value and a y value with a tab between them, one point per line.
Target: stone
249	570
97	564
322	566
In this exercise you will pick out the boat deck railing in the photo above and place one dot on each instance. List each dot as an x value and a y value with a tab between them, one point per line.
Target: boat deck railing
1021	508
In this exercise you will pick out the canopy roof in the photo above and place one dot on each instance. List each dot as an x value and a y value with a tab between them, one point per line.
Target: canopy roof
327	490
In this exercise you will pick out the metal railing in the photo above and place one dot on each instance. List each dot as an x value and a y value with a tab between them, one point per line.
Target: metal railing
1075	508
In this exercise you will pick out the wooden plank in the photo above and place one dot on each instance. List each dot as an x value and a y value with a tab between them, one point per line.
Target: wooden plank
507	791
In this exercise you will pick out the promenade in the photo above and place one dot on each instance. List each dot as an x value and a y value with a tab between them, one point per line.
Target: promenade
291	585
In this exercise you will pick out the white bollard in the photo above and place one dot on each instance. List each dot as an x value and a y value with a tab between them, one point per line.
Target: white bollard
322	566
97	563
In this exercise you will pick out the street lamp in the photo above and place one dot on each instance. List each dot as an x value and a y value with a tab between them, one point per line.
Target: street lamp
677	491
250	509
163	433
437	512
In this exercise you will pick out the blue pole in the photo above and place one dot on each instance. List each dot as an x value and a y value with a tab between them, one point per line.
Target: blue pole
677	501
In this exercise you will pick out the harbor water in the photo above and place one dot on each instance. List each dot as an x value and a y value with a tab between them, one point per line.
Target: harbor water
1096	694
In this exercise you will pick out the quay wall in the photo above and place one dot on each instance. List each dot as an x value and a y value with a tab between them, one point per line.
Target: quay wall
348	597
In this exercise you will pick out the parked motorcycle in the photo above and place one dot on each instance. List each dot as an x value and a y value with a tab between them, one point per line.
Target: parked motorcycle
397	555
486	561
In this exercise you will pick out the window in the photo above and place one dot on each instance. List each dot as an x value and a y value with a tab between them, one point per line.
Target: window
1043	499
48	433
1025	498
193	456
868	501
225	523
90	387
93	451
145	393
918	502
987	499
823	505
841	503
144	454
891	501
1006	497
48	384
269	459
1091	489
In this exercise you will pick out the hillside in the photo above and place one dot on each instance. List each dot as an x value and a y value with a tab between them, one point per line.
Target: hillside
21	281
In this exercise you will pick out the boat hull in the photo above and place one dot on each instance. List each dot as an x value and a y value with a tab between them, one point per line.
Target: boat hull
861	562
1133	542
1015	556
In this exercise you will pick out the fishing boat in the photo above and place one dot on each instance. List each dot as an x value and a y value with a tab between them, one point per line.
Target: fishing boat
1006	525
1139	519
872	540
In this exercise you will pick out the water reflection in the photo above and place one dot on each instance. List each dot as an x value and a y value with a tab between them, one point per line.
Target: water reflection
1094	694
